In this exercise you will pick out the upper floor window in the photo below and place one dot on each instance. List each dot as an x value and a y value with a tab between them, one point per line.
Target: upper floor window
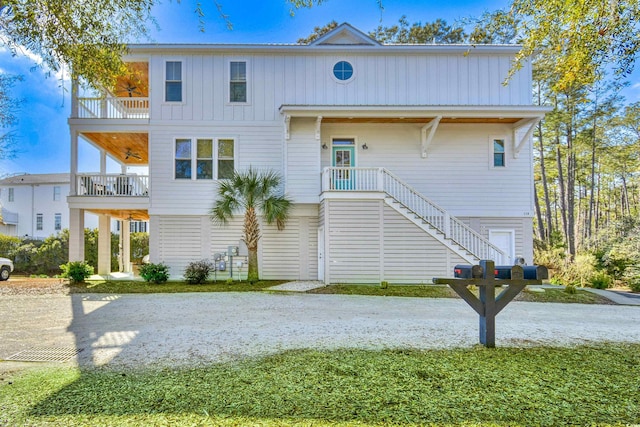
498	153
237	81
58	222
197	158
11	195
343	70
173	81
56	192
39	222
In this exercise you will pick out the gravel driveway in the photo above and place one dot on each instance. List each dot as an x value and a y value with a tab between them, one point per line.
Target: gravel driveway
181	329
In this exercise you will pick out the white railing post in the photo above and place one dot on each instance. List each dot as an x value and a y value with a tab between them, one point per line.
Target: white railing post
447	225
325	180
380	175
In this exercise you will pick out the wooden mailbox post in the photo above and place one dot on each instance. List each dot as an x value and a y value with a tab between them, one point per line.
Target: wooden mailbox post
487	305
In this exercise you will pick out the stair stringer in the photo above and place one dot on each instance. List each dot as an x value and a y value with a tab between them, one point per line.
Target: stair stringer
412	217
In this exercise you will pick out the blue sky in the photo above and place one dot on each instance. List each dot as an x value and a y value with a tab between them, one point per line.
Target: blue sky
42	130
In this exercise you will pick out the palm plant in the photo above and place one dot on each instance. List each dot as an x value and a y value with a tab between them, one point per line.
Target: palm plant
253	192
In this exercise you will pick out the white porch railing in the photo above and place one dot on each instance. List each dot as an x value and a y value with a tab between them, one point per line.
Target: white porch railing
108	185
113	108
380	179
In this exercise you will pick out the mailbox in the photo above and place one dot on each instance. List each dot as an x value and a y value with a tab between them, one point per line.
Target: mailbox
531	272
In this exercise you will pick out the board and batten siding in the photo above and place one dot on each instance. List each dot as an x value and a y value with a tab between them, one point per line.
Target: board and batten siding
305	78
457	173
258	146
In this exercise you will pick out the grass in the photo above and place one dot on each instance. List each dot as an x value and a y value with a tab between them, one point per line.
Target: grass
435	291
138	287
470	387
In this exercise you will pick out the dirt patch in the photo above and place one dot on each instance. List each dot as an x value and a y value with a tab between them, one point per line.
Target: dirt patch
17	285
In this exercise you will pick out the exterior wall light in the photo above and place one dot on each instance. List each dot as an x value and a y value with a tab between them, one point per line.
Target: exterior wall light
365	146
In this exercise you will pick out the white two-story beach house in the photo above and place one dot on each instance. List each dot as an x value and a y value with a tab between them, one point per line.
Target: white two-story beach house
402	160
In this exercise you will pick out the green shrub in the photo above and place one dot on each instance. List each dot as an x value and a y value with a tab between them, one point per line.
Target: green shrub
139	246
155	273
198	271
384	284
634	284
601	280
570	289
76	271
9	245
229	281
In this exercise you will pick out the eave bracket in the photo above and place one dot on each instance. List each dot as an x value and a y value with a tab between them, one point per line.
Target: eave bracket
519	143
426	138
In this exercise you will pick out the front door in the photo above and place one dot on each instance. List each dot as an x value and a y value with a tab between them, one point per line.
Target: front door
343	157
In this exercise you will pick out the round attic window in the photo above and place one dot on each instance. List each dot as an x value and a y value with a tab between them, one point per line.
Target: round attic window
343	70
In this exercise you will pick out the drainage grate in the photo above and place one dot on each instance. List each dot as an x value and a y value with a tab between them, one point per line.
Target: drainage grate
46	354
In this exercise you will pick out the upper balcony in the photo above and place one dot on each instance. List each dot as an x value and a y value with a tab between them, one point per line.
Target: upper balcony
113	108
128	99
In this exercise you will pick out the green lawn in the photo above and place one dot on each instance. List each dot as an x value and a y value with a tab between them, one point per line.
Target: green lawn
419	291
470	387
138	287
434	291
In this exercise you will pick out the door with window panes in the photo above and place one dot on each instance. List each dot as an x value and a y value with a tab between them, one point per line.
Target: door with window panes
343	158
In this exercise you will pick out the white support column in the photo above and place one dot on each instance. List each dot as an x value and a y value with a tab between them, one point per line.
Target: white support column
125	233
104	244
76	234
103	162
73	165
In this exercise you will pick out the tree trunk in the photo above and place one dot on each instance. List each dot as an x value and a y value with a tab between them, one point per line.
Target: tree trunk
251	238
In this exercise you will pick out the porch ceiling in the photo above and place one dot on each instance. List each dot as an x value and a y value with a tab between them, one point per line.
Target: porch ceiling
127	148
133	214
135	83
419	120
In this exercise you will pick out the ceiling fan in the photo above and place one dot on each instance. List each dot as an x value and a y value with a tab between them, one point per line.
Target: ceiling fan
129	87
129	153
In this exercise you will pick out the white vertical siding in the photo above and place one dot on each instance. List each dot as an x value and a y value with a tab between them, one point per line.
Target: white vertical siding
429	78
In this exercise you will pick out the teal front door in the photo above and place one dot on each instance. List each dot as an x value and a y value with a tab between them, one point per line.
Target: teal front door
343	157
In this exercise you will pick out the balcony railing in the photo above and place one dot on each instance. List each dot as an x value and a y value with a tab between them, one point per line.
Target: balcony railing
113	108
98	185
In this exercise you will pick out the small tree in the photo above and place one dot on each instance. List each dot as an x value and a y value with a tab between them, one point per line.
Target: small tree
252	192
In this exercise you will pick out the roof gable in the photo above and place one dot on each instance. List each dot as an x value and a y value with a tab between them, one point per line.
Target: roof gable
344	34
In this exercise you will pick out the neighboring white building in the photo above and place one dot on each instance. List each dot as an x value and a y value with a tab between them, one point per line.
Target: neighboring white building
35	205
402	160
39	201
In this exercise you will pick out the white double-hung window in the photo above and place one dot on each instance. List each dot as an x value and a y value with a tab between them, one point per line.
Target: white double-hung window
237	81
173	81
204	158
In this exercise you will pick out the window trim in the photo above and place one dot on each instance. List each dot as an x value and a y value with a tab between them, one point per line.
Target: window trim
182	81
176	158
57	222
39	222
217	158
11	196
337	80
57	193
492	152
247	81
194	156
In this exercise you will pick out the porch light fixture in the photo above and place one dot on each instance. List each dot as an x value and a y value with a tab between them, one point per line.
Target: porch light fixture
365	146
324	146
